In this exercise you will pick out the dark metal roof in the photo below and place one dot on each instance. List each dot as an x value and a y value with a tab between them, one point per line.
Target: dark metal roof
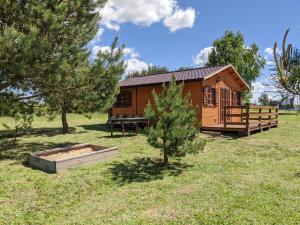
183	75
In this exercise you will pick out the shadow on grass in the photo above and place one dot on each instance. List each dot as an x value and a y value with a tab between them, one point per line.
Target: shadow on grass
96	127
20	152
117	131
231	135
144	170
297	174
49	132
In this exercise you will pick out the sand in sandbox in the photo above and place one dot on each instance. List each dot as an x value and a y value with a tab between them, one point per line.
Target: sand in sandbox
67	154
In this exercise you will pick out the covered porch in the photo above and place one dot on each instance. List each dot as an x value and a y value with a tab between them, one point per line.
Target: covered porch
245	119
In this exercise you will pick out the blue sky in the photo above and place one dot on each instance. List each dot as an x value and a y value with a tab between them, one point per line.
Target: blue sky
173	33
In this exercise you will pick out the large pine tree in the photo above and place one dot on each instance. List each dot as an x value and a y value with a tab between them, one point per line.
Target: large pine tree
44	56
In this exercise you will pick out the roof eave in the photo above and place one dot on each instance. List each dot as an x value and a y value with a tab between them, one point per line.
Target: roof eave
158	83
224	68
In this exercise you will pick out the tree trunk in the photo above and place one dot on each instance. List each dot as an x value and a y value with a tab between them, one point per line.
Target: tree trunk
166	159
64	121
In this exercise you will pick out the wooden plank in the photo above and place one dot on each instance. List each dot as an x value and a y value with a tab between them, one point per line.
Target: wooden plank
262	113
257	119
236	123
236	115
235	107
263	107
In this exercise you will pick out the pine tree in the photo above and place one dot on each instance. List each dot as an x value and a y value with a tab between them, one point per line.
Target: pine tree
84	88
174	118
43	56
264	99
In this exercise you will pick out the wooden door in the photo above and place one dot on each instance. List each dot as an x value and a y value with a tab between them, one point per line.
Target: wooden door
224	101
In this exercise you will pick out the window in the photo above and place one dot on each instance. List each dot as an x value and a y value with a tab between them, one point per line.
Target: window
236	98
209	96
124	99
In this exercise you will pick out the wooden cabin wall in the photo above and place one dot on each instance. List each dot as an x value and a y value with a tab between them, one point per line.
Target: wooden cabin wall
211	115
126	110
141	96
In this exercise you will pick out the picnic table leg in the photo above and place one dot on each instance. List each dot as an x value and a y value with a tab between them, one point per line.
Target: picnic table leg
123	129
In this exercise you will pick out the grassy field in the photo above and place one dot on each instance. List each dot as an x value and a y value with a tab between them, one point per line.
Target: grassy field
252	180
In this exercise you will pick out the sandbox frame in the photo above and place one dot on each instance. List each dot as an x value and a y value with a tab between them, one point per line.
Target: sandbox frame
99	153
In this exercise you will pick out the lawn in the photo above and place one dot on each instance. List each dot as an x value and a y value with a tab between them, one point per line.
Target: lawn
251	180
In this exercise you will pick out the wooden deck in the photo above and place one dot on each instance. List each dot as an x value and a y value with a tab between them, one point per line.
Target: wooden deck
248	119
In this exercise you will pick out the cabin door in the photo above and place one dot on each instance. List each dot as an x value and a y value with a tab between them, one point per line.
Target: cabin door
224	101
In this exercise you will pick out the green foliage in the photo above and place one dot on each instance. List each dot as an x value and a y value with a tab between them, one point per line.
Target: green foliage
22	114
231	49
264	99
43	55
149	71
185	68
174	118
287	77
194	146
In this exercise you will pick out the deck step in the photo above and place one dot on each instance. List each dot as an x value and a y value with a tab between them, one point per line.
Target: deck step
212	133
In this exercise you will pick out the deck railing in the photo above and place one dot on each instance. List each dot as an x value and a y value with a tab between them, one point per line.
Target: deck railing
247	116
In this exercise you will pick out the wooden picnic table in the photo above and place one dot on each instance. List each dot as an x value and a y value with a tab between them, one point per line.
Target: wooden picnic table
127	120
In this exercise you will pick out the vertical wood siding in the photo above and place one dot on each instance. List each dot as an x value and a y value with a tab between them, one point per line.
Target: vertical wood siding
141	96
211	115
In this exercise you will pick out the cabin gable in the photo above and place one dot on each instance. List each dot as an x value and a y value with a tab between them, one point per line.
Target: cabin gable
227	82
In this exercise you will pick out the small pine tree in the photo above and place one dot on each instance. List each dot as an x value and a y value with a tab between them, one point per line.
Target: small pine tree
174	118
264	99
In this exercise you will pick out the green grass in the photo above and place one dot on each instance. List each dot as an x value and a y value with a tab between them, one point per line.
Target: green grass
252	180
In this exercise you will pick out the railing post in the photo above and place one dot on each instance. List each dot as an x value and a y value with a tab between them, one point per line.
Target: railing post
225	116
247	118
259	119
269	118
276	110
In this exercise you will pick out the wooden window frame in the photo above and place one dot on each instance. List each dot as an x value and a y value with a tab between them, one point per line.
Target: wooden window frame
209	96
236	97
124	99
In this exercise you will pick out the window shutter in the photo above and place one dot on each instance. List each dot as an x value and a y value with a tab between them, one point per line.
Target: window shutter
205	95
216	97
129	99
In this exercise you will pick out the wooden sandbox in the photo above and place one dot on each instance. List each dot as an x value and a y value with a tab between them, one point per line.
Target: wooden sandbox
58	159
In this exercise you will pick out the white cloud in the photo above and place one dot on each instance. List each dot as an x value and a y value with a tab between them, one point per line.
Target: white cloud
202	57
132	58
135	64
258	88
128	52
269	57
145	12
181	19
131	53
96	49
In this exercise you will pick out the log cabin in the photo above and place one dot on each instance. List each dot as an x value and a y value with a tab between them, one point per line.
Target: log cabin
212	89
